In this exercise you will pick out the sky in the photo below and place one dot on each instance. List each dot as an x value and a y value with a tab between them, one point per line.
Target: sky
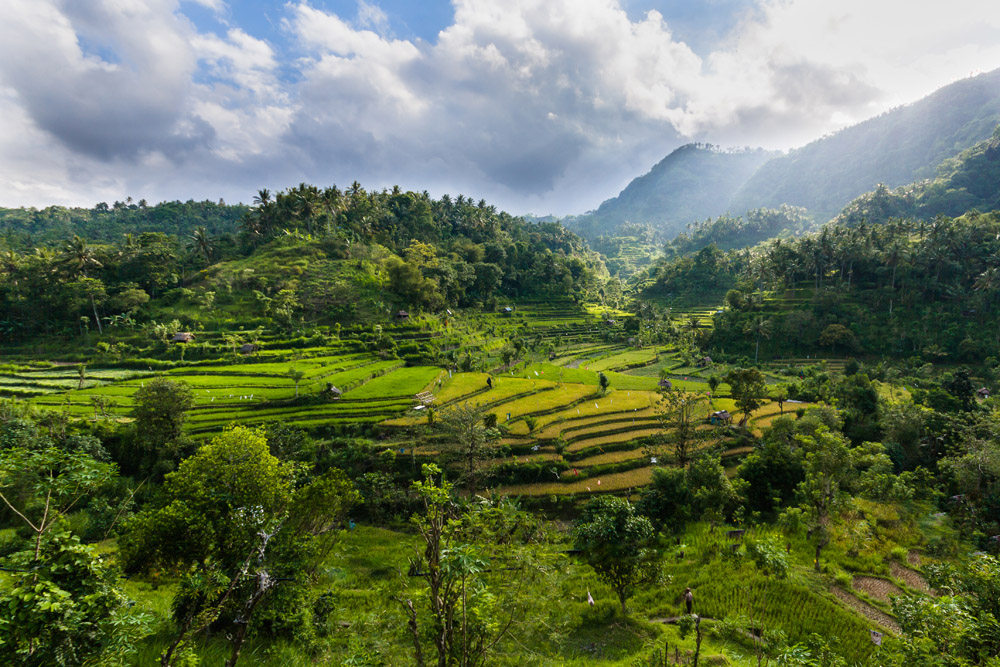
537	106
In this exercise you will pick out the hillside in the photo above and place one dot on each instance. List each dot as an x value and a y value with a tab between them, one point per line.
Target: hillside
691	184
26	227
898	147
968	181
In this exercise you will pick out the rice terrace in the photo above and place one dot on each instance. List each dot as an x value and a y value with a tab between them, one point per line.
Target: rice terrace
742	413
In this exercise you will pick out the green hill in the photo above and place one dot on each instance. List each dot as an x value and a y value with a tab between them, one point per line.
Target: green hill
965	182
898	147
691	184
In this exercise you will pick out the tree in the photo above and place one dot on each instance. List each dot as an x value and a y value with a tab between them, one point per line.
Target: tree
837	335
41	486
827	465
469	440
296	376
202	243
475	563
160	411
617	542
748	389
67	609
780	396
667	501
229	520
760	328
958	627
679	415
603	381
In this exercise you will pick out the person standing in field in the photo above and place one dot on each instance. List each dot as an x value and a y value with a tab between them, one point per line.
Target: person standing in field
688	599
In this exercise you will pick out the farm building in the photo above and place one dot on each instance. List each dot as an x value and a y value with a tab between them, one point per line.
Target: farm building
705	361
402	315
507	310
610	322
183	337
720	418
334	392
665	384
983	393
248	348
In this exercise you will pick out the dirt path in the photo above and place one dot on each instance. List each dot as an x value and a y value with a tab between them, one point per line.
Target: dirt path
880	589
910	577
873	614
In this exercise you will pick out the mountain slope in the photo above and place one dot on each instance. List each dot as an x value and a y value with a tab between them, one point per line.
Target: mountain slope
971	180
691	184
898	147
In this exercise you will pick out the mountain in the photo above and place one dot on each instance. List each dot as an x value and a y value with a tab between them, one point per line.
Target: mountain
691	184
898	147
970	180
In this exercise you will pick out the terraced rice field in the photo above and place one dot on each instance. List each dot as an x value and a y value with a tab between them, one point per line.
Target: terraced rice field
621	481
255	392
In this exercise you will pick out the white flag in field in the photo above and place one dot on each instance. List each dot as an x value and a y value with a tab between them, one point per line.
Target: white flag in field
876	638
590	599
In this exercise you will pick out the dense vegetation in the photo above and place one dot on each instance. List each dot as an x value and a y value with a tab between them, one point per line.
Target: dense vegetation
965	182
694	182
537	463
303	256
898	147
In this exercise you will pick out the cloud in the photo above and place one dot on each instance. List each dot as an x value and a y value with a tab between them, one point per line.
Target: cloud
545	105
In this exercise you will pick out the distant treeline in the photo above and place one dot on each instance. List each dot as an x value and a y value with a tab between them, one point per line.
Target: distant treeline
407	248
905	288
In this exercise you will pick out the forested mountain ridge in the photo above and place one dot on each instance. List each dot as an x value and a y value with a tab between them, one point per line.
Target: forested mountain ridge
28	227
965	182
304	255
692	183
895	148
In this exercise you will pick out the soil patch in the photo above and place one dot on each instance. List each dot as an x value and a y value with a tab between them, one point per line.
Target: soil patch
911	578
913	558
873	614
880	589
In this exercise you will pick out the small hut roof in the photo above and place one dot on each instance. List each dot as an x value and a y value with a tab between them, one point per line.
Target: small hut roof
722	414
983	392
335	391
508	309
183	337
247	348
402	313
665	383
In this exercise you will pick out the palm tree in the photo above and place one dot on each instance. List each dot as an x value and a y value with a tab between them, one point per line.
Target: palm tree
202	242
759	328
78	256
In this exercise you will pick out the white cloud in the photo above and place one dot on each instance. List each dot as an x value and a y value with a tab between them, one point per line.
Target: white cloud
533	104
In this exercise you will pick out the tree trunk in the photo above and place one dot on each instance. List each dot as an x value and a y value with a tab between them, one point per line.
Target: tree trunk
96	318
264	584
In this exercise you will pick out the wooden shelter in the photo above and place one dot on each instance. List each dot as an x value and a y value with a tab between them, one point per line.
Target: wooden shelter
183	337
402	315
665	384
720	418
248	348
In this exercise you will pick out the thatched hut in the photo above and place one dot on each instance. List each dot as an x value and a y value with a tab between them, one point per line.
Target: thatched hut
983	392
333	391
665	384
183	337
248	348
402	315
